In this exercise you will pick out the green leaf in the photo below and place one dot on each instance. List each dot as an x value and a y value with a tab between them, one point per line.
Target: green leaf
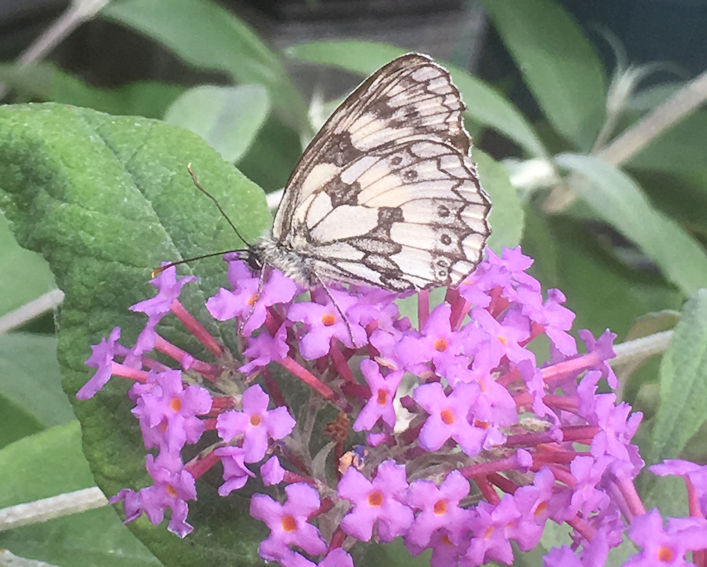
29	376
17	422
507	215
228	118
95	537
47	82
207	36
617	199
273	155
683	383
558	63
106	199
24	276
484	105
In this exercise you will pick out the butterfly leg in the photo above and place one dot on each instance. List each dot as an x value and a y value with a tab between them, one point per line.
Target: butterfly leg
338	308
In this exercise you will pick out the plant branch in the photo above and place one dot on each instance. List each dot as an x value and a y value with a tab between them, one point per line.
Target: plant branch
50	508
47	302
633	140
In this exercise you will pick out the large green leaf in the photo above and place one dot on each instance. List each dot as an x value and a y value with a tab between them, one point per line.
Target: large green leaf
484	105
47	82
228	118
208	36
617	199
95	537
558	63
106	199
683	383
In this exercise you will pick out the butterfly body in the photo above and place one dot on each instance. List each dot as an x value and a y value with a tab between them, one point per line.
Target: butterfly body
385	194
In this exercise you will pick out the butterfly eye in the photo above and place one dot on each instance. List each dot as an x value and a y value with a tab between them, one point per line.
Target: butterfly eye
254	262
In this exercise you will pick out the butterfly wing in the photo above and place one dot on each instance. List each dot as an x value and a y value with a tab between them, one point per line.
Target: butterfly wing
410	215
406	114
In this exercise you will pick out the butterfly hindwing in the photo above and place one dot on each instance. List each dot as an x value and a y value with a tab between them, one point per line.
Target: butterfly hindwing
408	215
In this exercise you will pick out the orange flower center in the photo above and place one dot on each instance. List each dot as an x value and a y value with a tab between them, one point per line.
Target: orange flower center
440	507
382	397
447	416
503	340
171	491
175	404
481	424
328	319
252	299
665	554
375	498
445	540
441	345
289	524
541	508
255	420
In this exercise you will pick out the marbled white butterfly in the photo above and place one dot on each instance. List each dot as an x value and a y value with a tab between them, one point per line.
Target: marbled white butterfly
385	194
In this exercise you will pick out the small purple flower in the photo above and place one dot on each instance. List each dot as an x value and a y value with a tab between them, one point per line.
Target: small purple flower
272	472
505	335
491	525
235	473
245	301
264	349
288	522
168	290
380	500
337	558
172	488
167	410
665	546
439	508
449	417
323	322
380	404
603	349
101	358
256	423
438	343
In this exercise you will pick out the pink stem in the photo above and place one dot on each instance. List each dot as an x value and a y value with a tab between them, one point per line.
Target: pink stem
196	328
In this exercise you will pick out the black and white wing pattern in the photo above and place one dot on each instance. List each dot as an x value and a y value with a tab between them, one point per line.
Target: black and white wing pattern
386	194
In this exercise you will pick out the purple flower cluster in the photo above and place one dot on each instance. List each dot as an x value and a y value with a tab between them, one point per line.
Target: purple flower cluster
451	434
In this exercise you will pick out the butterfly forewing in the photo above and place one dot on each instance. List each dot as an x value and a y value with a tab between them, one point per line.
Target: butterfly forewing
385	193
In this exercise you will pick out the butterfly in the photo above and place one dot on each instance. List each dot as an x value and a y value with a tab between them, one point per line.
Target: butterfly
386	193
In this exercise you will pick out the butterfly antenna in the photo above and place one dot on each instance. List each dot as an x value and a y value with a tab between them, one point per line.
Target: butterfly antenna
210	255
218	206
